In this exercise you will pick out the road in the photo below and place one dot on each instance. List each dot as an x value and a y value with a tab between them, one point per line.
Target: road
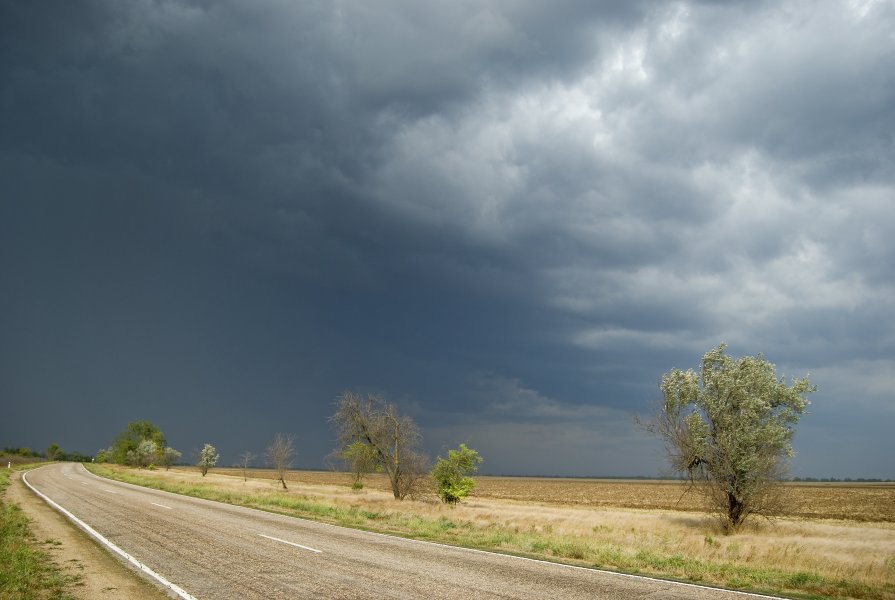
213	550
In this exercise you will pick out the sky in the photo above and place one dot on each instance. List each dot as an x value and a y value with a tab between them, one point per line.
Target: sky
509	218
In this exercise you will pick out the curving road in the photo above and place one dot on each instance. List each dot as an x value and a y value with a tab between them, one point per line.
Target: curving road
211	550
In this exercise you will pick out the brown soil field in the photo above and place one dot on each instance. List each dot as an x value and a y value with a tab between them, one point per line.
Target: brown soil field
863	502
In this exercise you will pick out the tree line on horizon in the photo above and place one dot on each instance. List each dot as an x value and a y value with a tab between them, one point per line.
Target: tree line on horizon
53	452
373	437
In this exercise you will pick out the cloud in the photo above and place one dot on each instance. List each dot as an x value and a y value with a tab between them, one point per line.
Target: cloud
578	197
519	430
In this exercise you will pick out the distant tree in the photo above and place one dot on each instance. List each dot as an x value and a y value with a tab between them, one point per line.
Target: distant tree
100	456
451	475
208	458
245	459
394	440
360	459
146	453
280	454
131	436
106	454
170	456
75	457
54	452
729	428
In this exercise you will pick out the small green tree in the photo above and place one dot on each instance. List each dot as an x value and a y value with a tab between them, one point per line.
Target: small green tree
729	428
360	459
208	458
54	452
452	474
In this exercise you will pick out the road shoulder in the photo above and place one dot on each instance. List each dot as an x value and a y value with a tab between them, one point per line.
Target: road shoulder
101	575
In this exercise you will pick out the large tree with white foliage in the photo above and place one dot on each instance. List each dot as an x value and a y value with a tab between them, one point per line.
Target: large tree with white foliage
729	427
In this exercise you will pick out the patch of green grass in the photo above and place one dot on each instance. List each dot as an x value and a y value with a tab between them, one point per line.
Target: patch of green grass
26	571
538	542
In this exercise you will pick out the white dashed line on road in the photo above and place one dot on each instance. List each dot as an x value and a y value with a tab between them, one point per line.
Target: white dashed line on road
162	505
110	491
291	543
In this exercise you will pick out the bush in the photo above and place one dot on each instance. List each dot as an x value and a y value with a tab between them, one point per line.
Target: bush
452	474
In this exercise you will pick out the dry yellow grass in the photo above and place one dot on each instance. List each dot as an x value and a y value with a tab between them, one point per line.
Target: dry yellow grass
859	551
871	502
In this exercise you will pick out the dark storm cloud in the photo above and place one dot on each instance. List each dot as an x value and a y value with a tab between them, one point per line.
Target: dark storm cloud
509	217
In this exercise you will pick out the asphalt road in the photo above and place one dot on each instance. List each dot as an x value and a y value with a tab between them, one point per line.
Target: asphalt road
213	550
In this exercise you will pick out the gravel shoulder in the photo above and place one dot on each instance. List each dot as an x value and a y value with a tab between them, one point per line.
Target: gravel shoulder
101	575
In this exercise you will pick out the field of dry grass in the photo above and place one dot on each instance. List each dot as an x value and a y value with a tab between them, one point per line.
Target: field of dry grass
867	502
15	459
633	526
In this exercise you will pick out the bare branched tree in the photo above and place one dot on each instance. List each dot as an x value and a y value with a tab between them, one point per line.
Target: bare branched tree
280	454
245	460
393	439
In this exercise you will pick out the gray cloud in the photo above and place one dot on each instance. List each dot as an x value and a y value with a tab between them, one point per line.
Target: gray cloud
234	211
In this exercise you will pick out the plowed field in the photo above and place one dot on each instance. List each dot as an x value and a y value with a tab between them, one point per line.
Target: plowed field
868	502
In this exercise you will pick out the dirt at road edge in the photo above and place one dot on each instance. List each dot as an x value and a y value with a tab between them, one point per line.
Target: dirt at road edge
102	575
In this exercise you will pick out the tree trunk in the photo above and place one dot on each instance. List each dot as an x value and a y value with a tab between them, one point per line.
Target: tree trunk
735	512
393	479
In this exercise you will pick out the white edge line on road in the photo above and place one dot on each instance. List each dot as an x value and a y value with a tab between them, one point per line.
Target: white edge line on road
291	543
162	505
461	548
98	537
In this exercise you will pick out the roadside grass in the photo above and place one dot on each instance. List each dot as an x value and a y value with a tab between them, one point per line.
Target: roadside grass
26	569
604	549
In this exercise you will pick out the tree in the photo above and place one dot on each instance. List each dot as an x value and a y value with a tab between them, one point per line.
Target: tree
146	453
729	428
170	456
131	436
393	439
54	452
207	458
244	460
360	459
75	456
280	454
451	475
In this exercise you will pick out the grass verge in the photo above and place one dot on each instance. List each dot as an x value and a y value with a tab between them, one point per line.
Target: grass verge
26	569
534	542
